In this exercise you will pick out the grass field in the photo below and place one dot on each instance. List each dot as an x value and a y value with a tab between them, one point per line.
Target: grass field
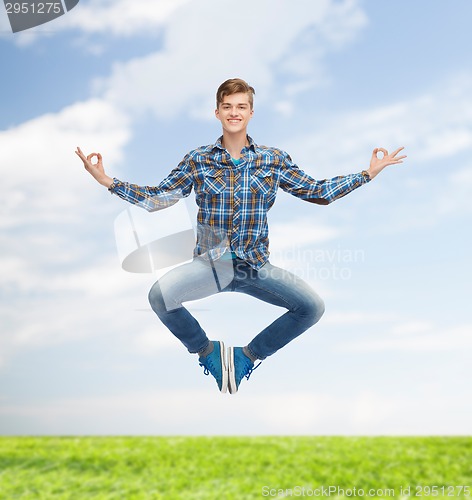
234	467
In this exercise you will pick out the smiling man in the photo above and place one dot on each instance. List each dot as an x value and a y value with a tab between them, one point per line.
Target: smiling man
235	182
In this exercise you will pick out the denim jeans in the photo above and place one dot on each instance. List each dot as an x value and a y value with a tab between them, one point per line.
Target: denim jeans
202	278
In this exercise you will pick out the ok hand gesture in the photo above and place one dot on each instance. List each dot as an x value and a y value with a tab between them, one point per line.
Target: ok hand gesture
95	169
378	164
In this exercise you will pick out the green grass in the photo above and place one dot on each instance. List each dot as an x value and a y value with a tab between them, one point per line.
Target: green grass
228	467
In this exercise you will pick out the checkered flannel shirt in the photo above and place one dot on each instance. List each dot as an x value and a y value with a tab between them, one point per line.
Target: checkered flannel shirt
233	199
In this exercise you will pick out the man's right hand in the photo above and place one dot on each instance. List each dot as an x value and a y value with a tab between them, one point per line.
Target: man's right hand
95	169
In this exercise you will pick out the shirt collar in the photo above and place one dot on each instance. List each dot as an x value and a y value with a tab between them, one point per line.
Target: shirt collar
218	144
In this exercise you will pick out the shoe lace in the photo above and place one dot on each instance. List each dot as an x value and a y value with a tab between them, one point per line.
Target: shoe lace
250	370
207	367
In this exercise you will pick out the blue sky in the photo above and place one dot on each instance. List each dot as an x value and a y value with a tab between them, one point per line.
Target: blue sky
80	350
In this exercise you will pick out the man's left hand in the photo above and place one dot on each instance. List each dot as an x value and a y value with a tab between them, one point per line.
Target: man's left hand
378	164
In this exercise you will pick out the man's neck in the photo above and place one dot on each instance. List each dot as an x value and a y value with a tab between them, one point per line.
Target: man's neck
234	143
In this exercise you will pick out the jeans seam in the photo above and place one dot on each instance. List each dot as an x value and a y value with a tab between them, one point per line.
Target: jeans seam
187	292
290	308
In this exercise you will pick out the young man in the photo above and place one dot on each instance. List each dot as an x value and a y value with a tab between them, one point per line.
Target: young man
235	182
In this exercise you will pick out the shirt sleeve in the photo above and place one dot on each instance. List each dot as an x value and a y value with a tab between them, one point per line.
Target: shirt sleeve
299	184
177	185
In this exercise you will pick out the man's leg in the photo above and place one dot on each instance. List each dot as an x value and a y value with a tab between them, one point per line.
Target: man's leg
191	281
281	288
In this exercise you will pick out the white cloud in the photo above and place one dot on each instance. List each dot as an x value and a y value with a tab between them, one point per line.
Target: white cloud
433	200
296	413
416	336
95	301
433	184
412	328
43	178
48	215
5	29
356	318
454	198
303	231
432	127
49	197
196	57
122	17
153	340
50	201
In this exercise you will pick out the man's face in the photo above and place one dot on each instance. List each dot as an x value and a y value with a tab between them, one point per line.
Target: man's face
234	112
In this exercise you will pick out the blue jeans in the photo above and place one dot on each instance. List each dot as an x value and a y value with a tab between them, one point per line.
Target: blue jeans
202	278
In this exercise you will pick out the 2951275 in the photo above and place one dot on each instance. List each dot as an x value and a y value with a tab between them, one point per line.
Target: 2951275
448	491
33	8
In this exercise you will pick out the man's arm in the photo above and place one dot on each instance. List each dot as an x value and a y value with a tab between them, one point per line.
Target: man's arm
296	182
177	185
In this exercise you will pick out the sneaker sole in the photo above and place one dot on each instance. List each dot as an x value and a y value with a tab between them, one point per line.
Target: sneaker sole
233	388
224	369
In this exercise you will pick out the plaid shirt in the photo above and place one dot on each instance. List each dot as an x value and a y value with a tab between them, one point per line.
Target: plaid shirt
233	200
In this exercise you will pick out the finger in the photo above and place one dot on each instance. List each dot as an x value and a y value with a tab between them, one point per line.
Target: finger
376	150
393	158
80	155
90	156
397	151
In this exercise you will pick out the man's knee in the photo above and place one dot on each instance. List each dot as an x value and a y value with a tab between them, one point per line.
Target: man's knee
319	308
312	308
156	298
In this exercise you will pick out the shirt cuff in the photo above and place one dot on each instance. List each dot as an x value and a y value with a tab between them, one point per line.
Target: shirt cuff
114	185
366	176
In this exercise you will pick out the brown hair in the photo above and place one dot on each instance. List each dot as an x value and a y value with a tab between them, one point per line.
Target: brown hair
234	86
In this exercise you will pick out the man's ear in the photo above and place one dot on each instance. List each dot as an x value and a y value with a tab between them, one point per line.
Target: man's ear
217	113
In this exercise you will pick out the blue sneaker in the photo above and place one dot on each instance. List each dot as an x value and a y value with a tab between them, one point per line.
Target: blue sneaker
239	366
215	363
